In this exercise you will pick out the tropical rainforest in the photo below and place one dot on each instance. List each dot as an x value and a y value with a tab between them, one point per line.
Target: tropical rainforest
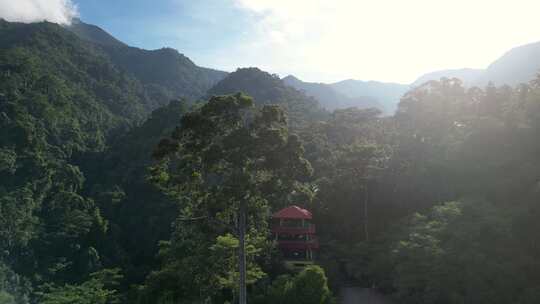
122	172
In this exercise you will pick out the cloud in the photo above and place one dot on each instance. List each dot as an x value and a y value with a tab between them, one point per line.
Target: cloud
390	40
27	11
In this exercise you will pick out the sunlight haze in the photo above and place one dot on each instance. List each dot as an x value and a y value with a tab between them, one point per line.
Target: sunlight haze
385	40
269	152
323	41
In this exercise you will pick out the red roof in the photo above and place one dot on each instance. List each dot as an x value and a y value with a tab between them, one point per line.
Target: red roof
293	212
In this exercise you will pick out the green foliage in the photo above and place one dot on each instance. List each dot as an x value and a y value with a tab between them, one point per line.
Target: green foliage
96	290
6	298
138	214
269	89
225	259
458	253
8	160
223	153
165	73
309	287
14	289
348	153
60	98
79	191
18	224
445	143
281	290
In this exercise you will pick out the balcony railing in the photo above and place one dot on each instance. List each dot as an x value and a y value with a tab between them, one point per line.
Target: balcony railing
307	229
299	244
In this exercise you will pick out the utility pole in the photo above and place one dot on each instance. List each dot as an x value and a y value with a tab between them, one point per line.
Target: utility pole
247	118
242	293
366	198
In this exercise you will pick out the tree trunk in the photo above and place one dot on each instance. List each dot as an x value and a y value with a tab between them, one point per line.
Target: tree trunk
366	228
242	293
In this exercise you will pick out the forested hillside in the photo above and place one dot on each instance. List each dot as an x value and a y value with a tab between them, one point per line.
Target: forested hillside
165	73
114	190
447	196
60	99
69	114
270	89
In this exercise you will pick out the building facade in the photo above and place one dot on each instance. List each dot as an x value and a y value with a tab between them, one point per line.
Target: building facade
295	235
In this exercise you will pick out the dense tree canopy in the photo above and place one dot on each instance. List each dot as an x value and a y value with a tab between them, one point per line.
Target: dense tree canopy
224	155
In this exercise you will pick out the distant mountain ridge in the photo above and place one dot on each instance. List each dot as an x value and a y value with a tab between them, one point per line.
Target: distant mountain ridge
266	88
468	76
388	94
352	93
330	98
94	34
167	74
519	65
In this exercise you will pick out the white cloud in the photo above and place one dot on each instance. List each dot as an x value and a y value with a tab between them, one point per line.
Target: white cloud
391	40
58	11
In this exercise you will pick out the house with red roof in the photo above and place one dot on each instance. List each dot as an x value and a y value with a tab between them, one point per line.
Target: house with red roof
294	233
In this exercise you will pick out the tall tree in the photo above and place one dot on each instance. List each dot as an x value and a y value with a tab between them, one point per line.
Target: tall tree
227	164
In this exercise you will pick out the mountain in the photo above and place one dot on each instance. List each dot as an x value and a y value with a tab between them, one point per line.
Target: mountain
386	94
141	213
94	34
518	65
165	73
54	61
468	76
266	88
330	98
61	99
125	83
75	145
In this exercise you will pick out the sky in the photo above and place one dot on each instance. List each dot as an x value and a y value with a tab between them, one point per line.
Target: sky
315	40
